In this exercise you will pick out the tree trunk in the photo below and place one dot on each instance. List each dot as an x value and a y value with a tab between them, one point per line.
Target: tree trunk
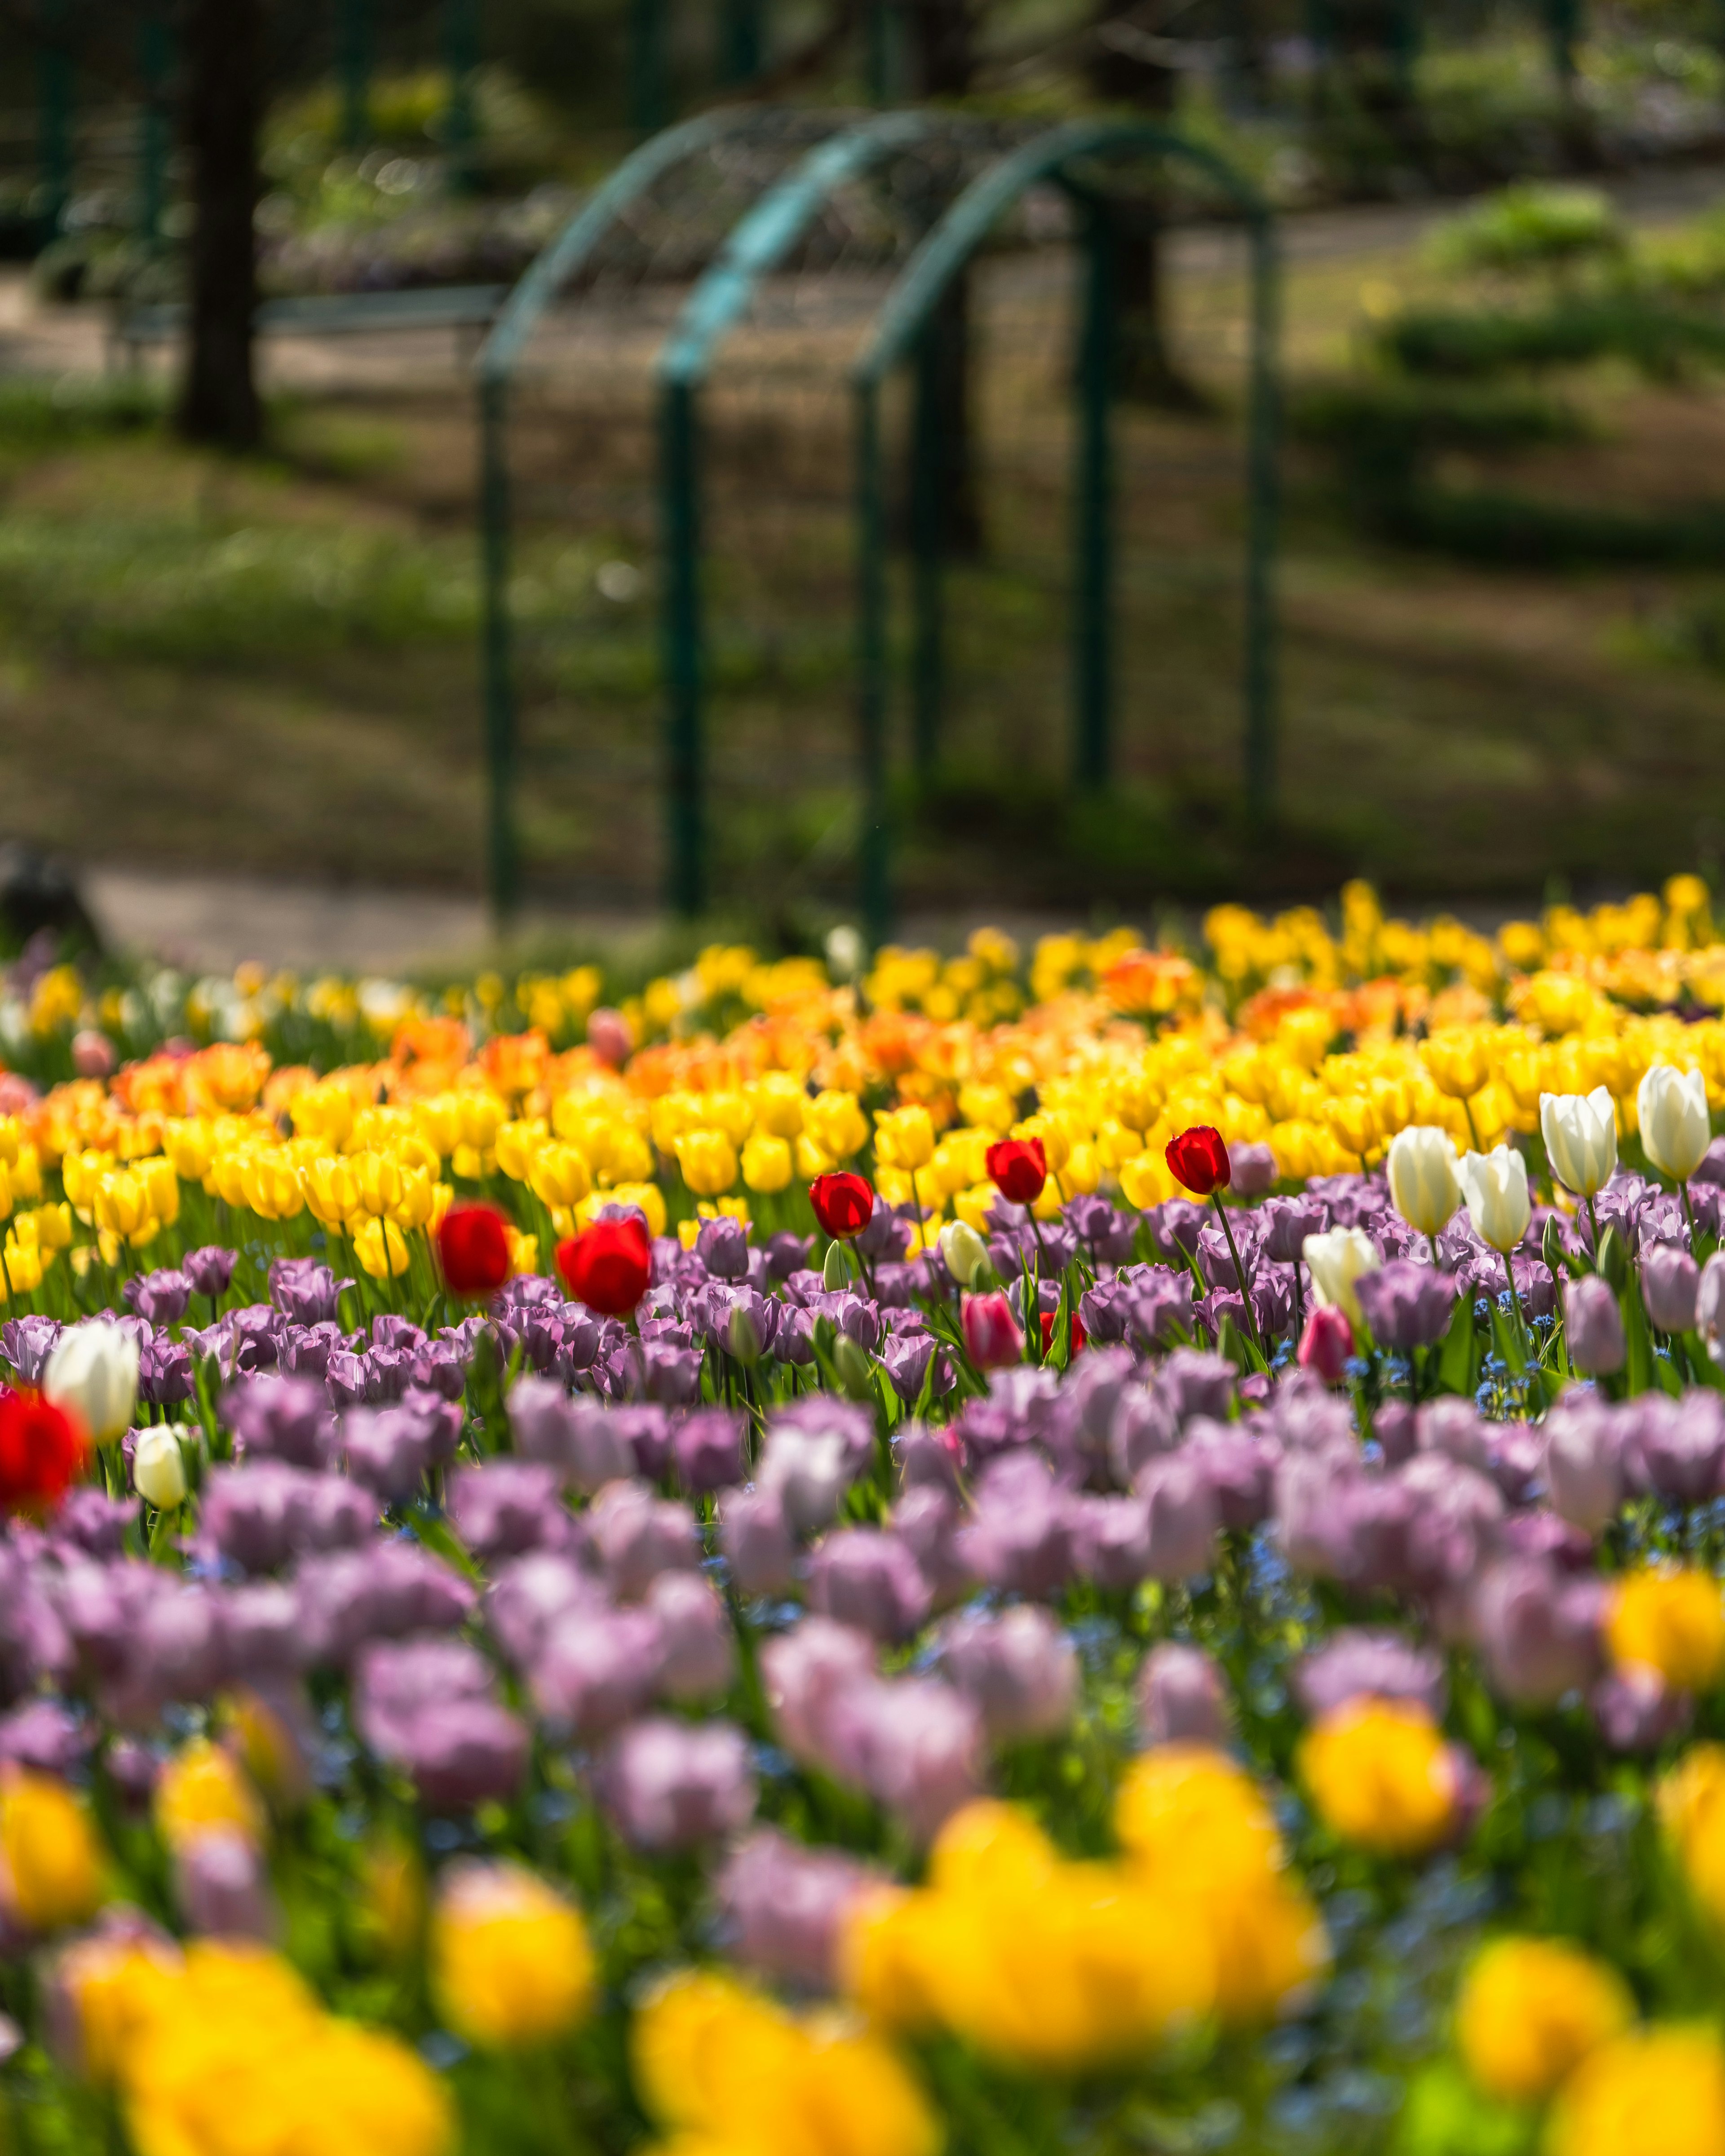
223	58
1123	70
942	57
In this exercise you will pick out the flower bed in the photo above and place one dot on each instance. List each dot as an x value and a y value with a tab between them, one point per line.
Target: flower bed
1121	1555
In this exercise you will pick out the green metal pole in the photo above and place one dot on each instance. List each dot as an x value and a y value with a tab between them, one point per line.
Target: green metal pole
874	895
744	41
54	91
647	101
461	47
152	128
353	65
1564	27
1263	485
503	852
881	30
927	595
685	830
1092	624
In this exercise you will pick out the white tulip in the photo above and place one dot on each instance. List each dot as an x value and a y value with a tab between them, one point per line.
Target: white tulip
1423	1186
1580	1134
1336	1261
1671	1108
158	1468
93	1374
963	1252
1494	1187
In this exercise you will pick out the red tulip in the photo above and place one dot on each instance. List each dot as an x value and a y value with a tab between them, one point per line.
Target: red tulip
41	1451
608	1266
1326	1343
1019	1168
991	1337
1200	1160
1077	1338
473	1249
843	1203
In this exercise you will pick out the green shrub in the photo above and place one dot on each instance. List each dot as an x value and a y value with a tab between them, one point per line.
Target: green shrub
1532	226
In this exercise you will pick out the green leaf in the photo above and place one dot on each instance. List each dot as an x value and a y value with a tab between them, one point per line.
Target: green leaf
1444	2115
1638	1368
1459	1353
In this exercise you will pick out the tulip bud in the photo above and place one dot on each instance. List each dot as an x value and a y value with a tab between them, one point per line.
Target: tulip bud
1580	1134
854	1372
835	1272
1423	1186
1671	1112
93	1374
1594	1327
158	1468
1670	1278
1494	1188
963	1252
1327	1344
991	1334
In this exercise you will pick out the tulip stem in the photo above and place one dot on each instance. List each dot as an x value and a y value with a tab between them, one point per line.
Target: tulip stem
1593	1217
1688	1214
1239	1274
1472	1127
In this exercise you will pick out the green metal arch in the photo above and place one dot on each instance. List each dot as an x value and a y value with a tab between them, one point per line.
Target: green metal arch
968	223
755	247
902	328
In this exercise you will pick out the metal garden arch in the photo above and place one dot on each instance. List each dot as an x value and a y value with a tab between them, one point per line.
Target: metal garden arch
904	323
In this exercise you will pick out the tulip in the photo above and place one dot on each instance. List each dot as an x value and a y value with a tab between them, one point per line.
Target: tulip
867	1579
42	1453
93	1374
991	1334
158	1468
1253	1170
1670	1281
963	1252
1671	1111
1018	1665
787	1906
608	1266
1336	1261
1593	1326
1423	1185
1580	1134
1199	1161
1182	1697
1018	1168
1710	1306
1584	1474
1407	1306
1327	1344
843	1203
1494	1188
473	1248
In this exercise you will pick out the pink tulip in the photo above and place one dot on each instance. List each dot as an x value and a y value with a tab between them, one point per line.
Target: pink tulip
1326	1343
991	1333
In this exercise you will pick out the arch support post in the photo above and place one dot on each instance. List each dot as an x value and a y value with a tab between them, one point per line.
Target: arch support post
1263	509
686	833
54	89
646	66
1093	549
874	852
502	852
153	54
928	549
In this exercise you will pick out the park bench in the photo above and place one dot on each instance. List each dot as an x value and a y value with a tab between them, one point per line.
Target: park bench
466	309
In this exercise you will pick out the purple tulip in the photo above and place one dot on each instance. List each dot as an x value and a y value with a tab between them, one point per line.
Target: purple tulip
722	1245
528	1596
1180	1506
707	1448
1287	1222
506	1507
252	1515
638	1535
803	1672
916	1745
596	1669
161	1297
698	1655
220	1884
387	1452
279	1418
671	1785
1182	1697
305	1291
380	1593
810	1460
92	1522
1026	1532
26	1344
1637	1711
1406	1306
1675	1447
261	1627
209	1270
1357	1662
1593	1326
1239	1467
44	1736
785	1907
757	1541
1583	1462
461	1752
908	1358
1539	1634
1671	1280
863	1577
1018	1665
1197	1383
